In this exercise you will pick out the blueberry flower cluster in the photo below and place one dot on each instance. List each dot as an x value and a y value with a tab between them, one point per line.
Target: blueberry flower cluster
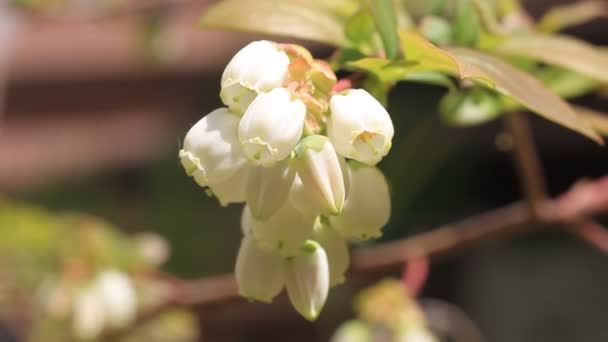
302	158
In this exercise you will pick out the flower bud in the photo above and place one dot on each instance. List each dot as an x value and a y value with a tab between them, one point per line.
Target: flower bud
319	169
258	67
212	151
89	314
268	188
368	206
285	232
359	127
260	275
119	298
271	127
233	189
307	280
336	248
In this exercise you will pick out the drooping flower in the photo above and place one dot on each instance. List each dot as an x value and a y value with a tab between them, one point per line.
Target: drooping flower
284	232
232	190
336	248
260	275
359	126
258	67
307	280
271	127
368	206
212	152
268	188
320	171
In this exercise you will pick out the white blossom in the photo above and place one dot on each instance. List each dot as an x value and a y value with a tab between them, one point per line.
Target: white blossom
336	248
258	67
271	127
232	190
319	169
260	275
307	280
212	152
359	126
368	206
284	232
119	298
268	188
89	313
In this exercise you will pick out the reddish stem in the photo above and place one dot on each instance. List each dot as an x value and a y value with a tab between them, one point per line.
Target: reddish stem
415	274
349	82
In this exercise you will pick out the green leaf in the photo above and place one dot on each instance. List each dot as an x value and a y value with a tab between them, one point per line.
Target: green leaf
386	24
497	74
522	87
385	70
360	26
561	17
598	120
310	20
466	26
430	77
469	107
566	83
567	52
389	72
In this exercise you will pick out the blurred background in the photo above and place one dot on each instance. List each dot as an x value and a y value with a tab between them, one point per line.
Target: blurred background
93	106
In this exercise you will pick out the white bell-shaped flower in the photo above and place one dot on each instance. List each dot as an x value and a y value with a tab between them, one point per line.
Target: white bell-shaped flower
359	126
336	248
260	275
212	151
319	169
368	206
268	188
119	298
258	67
284	232
89	313
307	280
233	189
271	127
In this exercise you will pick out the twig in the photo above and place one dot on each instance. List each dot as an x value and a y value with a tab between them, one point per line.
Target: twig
527	161
582	200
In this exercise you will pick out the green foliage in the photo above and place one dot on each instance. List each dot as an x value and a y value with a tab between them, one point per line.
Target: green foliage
467	26
321	21
499	28
567	52
386	24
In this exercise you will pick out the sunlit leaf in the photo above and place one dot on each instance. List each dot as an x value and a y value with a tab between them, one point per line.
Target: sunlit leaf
321	21
522	87
598	120
386	23
563	51
385	70
561	17
393	71
497	74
